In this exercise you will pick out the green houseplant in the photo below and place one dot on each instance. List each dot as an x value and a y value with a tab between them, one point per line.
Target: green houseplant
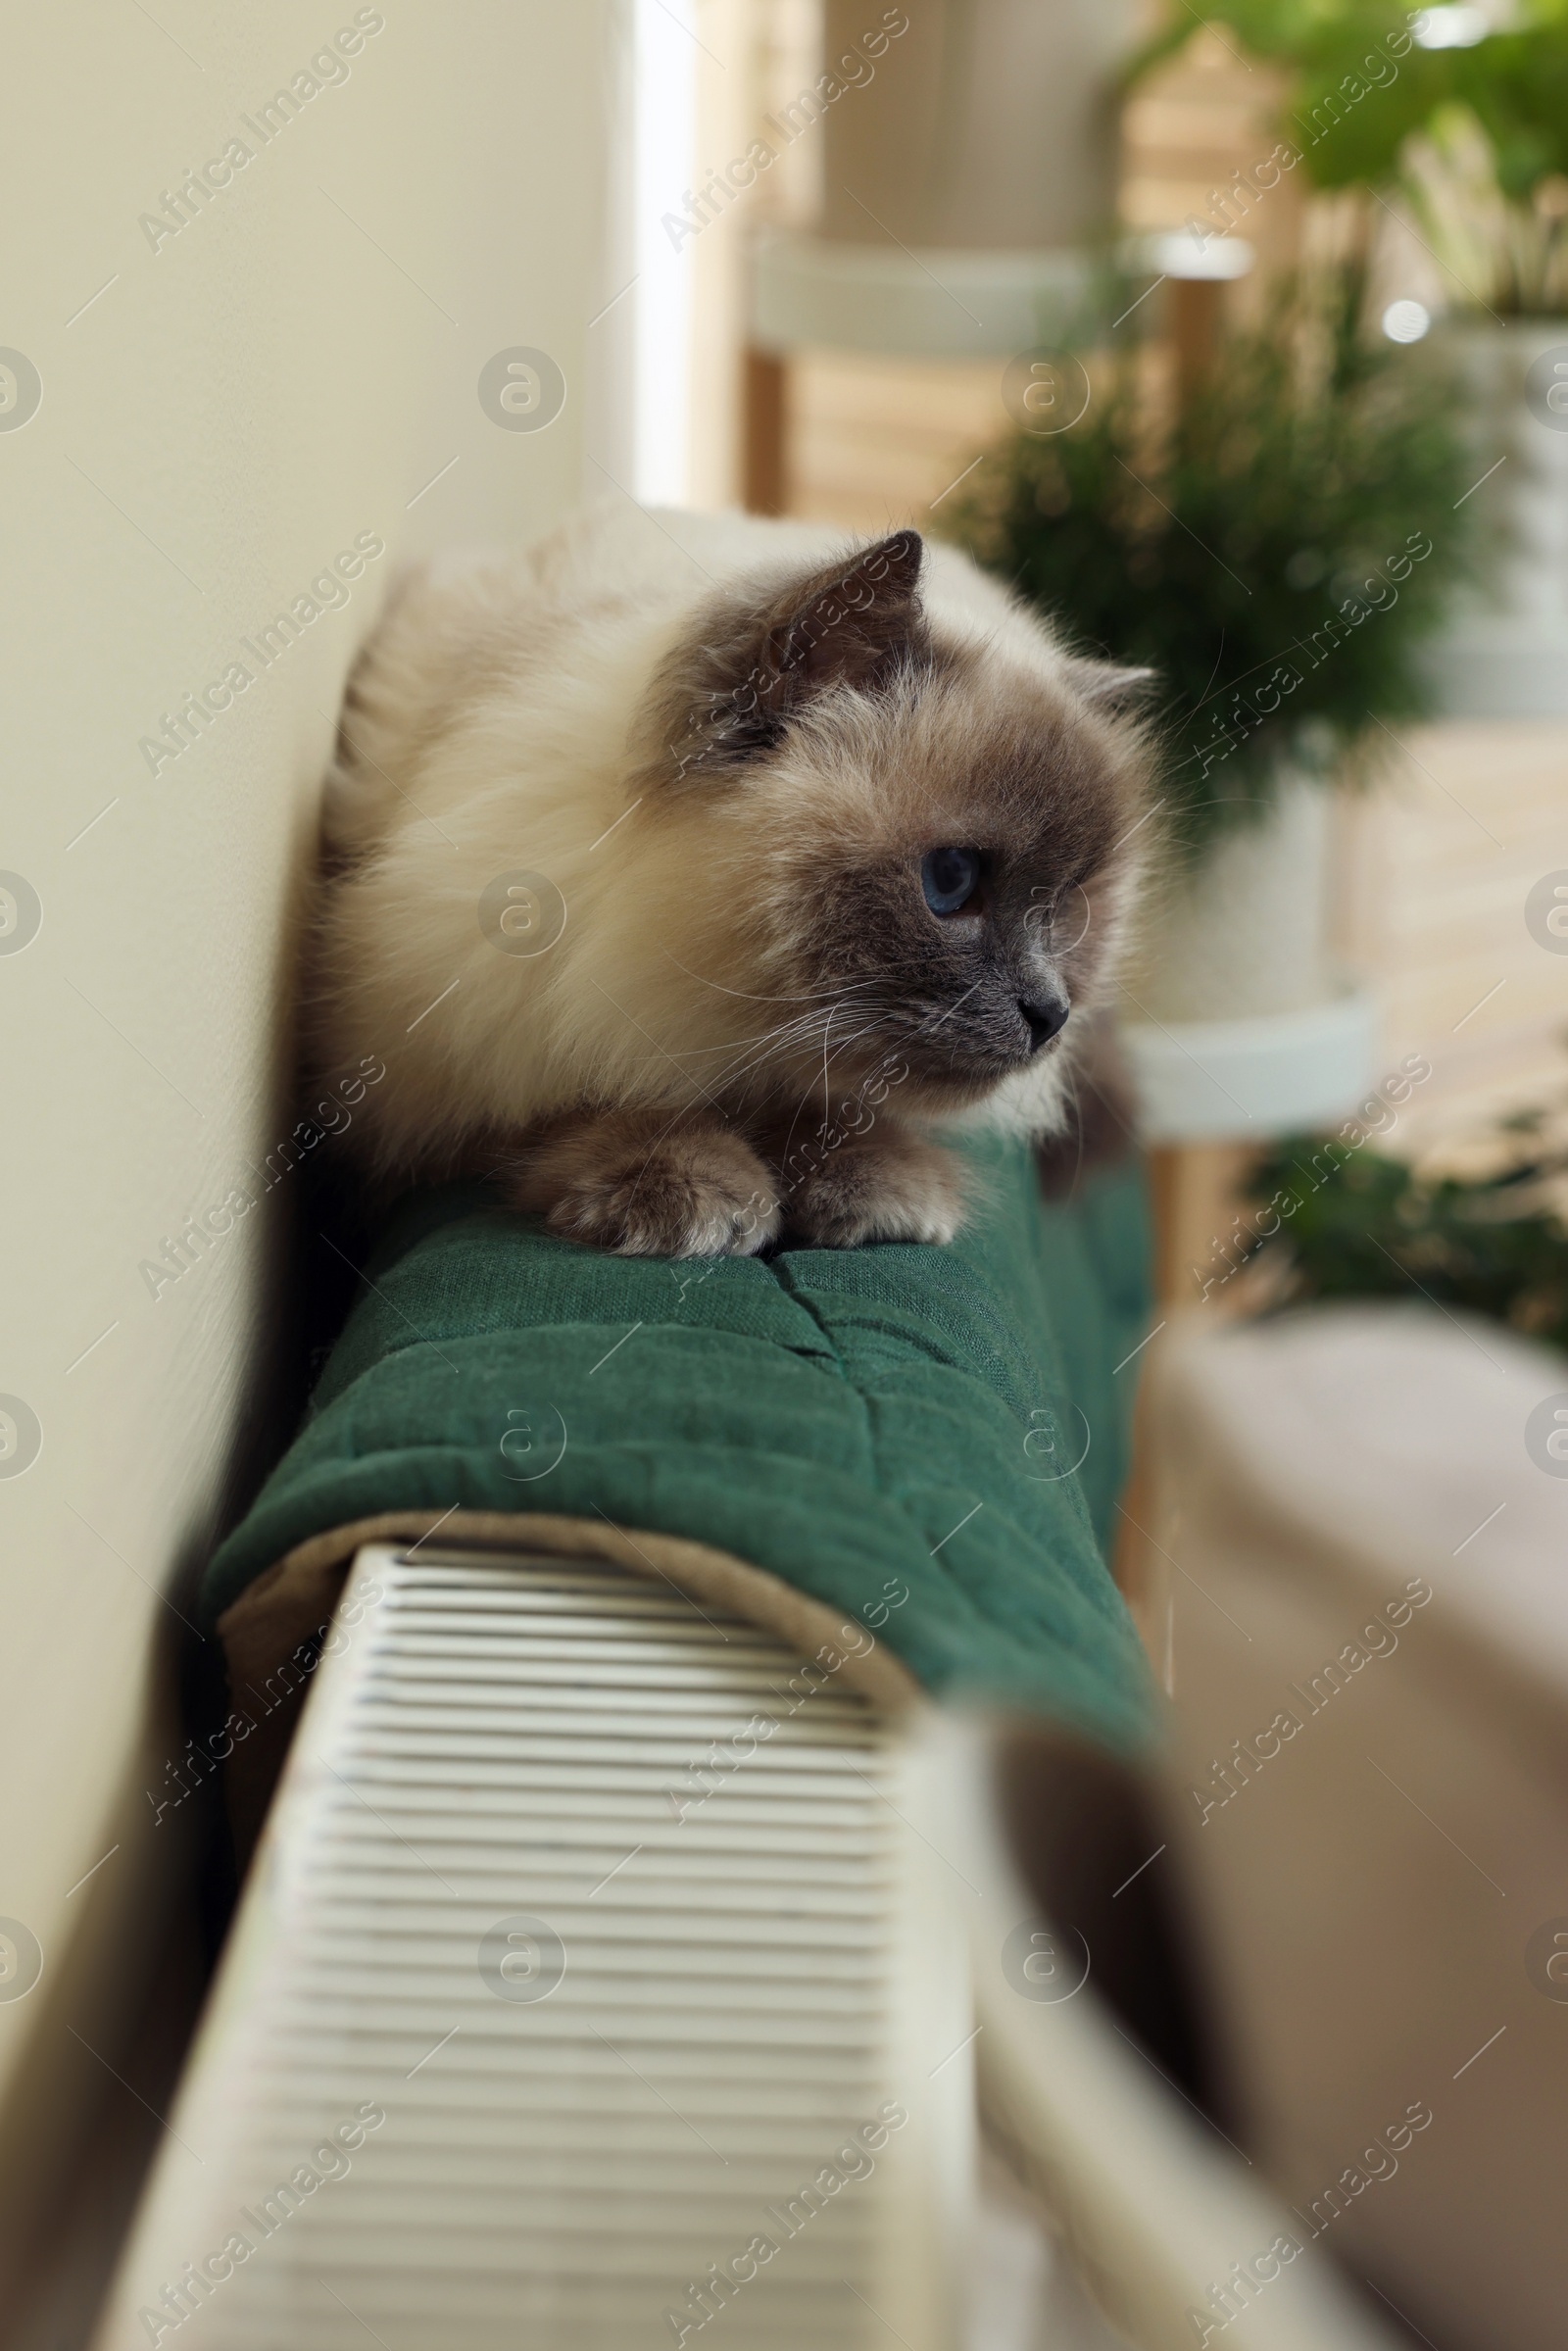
1297	518
1470	125
1374	1226
1453	127
1274	549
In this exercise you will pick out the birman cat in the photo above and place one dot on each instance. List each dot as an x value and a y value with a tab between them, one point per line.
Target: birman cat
694	875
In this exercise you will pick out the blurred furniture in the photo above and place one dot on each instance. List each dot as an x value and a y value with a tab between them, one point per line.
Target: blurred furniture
1299	1986
1367	1798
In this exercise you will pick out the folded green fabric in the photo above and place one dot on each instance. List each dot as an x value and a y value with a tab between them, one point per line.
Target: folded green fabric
864	1423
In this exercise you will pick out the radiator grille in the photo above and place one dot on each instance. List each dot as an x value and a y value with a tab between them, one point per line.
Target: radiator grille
615	1962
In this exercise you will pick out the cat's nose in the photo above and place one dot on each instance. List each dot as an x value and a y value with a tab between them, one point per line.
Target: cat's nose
1046	1014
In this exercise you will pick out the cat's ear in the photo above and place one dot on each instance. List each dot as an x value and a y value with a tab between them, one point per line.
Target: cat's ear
851	623
851	628
1106	685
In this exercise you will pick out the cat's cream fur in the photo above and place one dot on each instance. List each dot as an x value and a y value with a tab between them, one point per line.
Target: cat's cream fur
746	948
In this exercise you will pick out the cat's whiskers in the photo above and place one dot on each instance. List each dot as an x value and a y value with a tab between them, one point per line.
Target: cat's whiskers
773	1043
843	1047
755	1052
806	1028
797	1022
779	996
744	1070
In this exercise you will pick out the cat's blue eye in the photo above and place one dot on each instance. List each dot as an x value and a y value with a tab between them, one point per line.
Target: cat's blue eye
949	876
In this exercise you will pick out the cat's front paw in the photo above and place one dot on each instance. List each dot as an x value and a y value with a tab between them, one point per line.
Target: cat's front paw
889	1188
619	1183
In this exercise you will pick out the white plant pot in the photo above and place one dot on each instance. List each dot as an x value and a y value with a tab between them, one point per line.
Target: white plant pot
1236	1024
1245	930
1503	652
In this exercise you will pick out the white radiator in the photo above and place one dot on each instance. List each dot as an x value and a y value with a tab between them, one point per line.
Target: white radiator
588	1991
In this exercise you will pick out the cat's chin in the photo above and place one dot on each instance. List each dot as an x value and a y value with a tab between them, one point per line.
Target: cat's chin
1032	1101
890	1088
959	1097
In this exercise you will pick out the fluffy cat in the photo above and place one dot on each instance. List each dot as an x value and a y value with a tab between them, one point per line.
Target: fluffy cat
691	874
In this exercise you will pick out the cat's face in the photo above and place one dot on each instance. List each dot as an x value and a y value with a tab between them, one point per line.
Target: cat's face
974	920
932	842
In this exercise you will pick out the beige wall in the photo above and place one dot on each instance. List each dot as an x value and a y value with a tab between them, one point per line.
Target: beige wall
239	403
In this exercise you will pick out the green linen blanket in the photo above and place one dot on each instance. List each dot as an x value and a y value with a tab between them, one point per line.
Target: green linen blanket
931	1439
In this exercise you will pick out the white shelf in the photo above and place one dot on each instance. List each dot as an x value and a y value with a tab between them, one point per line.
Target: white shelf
1244	1081
1499	665
940	304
